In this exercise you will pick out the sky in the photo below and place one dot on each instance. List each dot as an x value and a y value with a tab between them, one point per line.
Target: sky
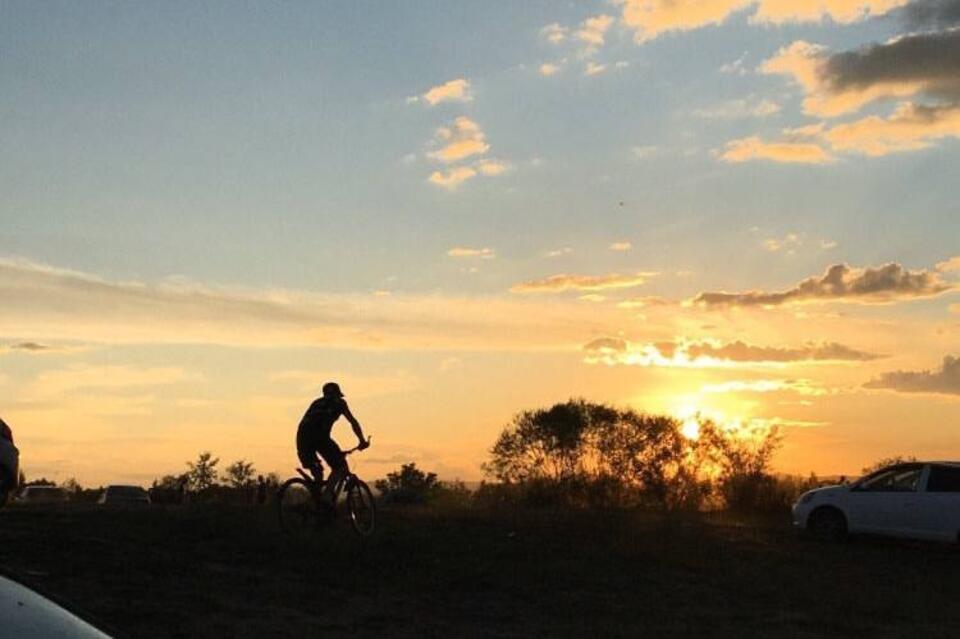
739	209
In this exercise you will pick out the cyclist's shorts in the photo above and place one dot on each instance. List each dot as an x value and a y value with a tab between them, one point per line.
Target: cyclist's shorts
308	447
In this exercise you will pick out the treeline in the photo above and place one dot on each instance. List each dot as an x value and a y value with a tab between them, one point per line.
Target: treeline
583	454
203	480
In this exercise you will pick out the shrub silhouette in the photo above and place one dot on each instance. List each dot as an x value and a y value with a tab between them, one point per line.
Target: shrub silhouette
409	485
240	474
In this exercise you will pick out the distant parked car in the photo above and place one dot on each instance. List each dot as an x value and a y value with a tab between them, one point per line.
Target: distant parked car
9	463
124	496
26	614
917	500
43	495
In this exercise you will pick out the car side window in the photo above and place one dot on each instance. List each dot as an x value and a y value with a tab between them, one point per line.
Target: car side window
896	480
944	479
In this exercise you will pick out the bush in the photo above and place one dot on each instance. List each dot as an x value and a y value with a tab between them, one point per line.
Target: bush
762	493
409	485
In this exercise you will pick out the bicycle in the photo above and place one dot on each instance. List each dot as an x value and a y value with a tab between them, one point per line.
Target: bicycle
301	506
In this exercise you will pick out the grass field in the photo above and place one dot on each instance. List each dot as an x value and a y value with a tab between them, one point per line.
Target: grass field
216	571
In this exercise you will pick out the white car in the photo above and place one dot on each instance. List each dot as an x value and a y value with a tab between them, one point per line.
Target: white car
9	463
26	614
918	500
43	495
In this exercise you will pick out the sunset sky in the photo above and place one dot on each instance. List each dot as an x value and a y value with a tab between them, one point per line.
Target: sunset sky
461	210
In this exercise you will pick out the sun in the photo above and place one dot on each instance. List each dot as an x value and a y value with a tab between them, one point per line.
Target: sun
690	428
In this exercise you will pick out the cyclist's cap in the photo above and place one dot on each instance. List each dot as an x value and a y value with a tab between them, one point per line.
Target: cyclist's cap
332	389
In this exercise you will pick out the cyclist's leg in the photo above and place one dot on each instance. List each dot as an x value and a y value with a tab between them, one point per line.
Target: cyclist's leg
307	453
335	458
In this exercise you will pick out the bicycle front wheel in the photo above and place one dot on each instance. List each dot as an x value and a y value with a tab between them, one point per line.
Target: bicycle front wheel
361	507
296	507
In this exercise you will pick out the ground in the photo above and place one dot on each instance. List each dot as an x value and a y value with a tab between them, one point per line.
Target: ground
216	571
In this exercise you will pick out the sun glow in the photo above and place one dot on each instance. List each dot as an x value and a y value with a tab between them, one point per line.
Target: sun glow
691	428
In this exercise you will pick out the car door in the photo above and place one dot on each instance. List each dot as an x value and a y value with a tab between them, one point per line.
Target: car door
939	503
886	502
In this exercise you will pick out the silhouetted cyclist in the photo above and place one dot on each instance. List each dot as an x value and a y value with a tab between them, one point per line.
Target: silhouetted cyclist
313	436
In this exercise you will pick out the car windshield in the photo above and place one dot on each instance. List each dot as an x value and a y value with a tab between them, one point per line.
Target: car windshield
894	480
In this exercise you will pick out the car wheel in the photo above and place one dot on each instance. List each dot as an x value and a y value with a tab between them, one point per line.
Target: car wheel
827	524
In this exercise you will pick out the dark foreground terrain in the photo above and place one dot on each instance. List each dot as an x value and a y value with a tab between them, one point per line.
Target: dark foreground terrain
216	571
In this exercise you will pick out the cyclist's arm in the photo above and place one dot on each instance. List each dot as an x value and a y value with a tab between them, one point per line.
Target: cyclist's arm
357	430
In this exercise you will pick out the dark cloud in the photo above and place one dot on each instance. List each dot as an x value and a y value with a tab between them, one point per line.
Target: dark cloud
939	14
29	346
881	285
946	380
606	344
932	59
739	351
614	350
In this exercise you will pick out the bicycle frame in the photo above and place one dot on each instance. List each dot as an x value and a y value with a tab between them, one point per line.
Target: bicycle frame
319	484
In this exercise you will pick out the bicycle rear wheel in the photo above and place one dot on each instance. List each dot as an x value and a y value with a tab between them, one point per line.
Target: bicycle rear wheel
297	508
361	507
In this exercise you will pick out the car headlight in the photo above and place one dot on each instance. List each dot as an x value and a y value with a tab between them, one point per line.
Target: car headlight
806	498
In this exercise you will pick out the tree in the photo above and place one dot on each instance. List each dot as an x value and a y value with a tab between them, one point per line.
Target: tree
72	486
203	473
172	482
548	443
240	474
409	485
651	454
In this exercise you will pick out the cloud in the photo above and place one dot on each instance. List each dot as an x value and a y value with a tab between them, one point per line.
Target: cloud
845	82
841	283
928	62
789	243
920	68
592	31
560	252
61	305
621	246
754	148
945	381
910	128
482	253
452	91
554	33
83	377
738	109
932	13
594	68
652	18
645	302
616	351
461	140
644	152
950	265
548	68
799	386
453	178
564	282
492	168
840	11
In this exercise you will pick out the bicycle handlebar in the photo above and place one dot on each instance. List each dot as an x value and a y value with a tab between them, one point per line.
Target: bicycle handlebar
356	448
